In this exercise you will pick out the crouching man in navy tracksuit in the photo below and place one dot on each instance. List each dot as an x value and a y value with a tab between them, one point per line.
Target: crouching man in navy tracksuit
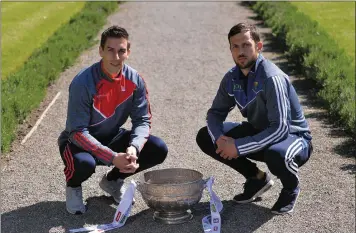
276	131
101	98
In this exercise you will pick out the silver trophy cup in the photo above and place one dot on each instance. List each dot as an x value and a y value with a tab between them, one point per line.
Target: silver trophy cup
171	193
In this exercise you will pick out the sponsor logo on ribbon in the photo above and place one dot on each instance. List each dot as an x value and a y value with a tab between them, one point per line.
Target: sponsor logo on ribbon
118	216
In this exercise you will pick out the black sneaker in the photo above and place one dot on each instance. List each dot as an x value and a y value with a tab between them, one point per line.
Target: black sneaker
254	188
286	201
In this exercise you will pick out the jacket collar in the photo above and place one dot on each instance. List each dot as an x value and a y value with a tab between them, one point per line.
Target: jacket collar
260	58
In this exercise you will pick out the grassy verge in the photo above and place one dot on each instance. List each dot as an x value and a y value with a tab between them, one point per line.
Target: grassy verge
337	18
25	26
23	90
317	56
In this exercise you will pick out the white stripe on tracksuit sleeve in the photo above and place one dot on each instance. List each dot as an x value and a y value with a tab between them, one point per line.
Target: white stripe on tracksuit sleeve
276	104
222	105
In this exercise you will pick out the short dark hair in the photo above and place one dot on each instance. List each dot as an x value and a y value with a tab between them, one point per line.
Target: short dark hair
116	32
244	27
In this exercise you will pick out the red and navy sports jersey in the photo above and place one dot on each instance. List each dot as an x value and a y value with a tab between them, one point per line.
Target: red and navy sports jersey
99	105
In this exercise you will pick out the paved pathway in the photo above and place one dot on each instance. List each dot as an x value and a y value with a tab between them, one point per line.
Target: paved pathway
182	51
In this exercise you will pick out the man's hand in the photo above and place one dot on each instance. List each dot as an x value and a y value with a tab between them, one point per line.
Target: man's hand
131	156
226	147
120	161
220	142
124	163
131	168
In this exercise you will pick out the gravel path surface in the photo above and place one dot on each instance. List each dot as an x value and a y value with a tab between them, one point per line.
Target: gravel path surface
182	51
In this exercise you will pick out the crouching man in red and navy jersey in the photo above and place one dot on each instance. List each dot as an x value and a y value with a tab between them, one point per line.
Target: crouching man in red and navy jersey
101	98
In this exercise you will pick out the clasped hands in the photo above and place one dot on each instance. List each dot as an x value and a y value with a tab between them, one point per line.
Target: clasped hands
126	162
226	147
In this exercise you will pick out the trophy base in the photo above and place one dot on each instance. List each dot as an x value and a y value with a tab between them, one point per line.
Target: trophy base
172	217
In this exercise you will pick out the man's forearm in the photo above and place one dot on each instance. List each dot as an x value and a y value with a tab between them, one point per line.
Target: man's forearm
84	140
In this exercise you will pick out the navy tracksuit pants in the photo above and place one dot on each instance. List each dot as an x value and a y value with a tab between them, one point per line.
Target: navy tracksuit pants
80	165
283	158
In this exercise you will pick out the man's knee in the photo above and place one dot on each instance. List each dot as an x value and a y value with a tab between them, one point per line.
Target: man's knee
84	167
85	163
203	137
164	151
161	149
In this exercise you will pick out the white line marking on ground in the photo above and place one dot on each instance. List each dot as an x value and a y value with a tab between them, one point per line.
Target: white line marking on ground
40	119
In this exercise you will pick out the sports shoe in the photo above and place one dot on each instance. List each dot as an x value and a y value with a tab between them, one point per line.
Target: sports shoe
74	200
286	201
254	188
115	188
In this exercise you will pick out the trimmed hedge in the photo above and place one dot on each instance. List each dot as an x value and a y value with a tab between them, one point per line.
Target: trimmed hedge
316	56
24	90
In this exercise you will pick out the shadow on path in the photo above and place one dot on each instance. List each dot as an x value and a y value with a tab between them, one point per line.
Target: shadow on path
51	216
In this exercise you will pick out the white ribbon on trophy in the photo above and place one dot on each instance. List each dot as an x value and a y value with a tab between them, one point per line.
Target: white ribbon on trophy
211	223
122	213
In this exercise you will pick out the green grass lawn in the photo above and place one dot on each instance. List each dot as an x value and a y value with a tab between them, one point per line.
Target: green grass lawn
337	18
43	45
25	26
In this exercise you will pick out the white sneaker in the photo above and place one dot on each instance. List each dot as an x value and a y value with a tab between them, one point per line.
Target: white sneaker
74	200
115	188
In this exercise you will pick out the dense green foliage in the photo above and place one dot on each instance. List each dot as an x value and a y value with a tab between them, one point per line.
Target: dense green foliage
317	56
